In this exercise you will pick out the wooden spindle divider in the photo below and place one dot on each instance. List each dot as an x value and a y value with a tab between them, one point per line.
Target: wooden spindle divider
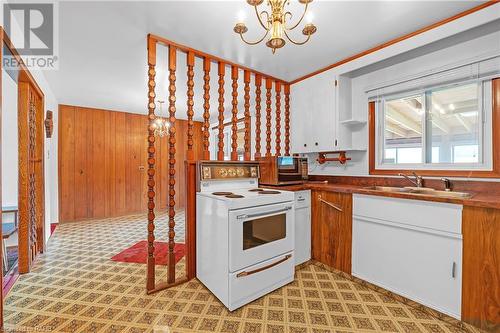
269	86
258	99
172	66
287	119
246	80
278	117
191	165
220	144
206	108
190	104
234	113
150	277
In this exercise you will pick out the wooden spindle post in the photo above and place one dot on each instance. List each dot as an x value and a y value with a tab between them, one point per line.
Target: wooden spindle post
287	119
269	86
206	108
220	144
258	83
246	80
278	118
171	162
190	104
150	279
234	112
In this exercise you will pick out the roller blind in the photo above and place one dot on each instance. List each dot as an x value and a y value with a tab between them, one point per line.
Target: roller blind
485	69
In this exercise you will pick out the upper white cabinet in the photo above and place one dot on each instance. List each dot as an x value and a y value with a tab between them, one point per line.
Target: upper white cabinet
313	116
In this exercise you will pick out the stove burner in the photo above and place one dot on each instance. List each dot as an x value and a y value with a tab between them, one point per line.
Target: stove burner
269	192
234	196
222	193
256	190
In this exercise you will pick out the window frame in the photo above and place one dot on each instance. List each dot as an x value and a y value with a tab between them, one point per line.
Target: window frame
491	141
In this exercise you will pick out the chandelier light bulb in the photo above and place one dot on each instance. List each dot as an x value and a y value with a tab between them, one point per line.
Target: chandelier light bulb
309	17
241	16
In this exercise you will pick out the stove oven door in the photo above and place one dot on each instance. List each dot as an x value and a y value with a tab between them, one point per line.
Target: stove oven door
260	233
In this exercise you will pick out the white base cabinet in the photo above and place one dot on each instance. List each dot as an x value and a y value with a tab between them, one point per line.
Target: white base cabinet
410	247
302	226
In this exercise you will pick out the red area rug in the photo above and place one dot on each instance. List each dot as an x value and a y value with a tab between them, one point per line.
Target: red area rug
138	253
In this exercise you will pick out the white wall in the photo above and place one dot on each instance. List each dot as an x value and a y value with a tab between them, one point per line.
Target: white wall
9	142
459	52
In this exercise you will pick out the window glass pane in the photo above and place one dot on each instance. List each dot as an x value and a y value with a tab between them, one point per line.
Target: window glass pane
435	154
466	154
409	155
390	155
453	124
403	130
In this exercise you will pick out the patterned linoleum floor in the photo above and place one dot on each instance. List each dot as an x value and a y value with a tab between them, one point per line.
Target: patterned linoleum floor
75	287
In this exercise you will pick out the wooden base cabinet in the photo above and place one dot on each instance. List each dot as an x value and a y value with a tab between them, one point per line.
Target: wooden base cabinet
481	268
332	229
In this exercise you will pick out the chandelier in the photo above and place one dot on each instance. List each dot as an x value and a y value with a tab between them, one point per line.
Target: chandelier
160	124
276	24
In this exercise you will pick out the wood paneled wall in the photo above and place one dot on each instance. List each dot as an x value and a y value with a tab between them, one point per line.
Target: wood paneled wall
103	163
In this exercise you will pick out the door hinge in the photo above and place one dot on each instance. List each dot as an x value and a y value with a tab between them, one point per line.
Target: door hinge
336	83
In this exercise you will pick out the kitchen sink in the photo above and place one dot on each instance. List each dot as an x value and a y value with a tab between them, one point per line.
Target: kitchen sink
445	194
389	189
421	191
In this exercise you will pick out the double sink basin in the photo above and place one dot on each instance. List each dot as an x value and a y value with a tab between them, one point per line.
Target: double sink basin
421	191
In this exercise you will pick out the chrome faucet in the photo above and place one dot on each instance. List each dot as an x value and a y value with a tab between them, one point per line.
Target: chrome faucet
418	182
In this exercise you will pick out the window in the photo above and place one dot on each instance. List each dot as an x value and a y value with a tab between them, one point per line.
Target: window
441	128
240	140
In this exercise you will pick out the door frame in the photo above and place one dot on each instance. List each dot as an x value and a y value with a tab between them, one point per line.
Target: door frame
25	77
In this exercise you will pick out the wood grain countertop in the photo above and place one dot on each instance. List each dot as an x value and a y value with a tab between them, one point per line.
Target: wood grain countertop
478	199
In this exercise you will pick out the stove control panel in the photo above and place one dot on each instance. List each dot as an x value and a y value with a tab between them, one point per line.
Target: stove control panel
215	170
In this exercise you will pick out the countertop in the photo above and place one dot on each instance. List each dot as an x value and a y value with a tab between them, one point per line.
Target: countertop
478	199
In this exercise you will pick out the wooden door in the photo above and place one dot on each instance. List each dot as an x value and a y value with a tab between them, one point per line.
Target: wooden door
83	164
31	175
136	162
332	229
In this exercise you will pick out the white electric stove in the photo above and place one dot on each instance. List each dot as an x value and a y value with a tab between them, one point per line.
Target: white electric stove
244	234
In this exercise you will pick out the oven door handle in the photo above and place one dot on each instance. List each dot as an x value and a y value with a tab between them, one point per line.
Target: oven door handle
248	216
246	273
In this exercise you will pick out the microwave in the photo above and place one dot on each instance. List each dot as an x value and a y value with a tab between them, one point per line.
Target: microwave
283	170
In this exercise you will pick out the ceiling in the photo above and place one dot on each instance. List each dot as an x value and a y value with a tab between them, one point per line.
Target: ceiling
103	61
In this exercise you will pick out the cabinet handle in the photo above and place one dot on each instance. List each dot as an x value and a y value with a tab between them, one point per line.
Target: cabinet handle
316	143
453	269
305	144
329	204
301	199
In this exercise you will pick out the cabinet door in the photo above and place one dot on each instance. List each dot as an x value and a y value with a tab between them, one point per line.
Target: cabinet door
332	229
302	235
323	129
300	110
422	265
